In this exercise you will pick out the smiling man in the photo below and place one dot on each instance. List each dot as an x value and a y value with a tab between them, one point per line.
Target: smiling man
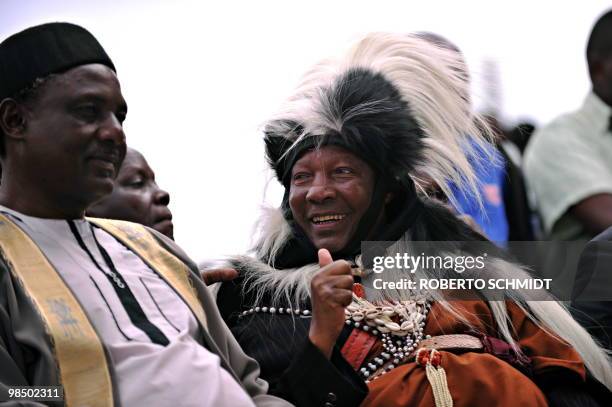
332	188
112	311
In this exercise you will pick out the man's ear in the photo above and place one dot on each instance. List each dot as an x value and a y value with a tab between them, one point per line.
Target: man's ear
12	118
596	69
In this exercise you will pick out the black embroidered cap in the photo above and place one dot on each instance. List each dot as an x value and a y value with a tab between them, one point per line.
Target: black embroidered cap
43	50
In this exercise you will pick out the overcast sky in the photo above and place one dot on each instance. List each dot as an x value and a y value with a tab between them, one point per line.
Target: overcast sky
200	77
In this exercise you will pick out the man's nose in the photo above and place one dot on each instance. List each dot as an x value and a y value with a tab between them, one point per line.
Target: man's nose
112	130
161	196
320	190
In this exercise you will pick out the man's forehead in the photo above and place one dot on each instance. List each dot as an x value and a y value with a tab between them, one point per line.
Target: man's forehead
327	153
134	162
92	81
134	158
88	75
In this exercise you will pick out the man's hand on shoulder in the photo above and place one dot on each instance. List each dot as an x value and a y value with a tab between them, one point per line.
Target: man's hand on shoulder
212	276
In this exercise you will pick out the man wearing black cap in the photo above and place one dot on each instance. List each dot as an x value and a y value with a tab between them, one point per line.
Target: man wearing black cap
111	311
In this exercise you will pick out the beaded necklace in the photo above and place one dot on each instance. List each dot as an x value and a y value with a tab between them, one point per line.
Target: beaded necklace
279	311
399	325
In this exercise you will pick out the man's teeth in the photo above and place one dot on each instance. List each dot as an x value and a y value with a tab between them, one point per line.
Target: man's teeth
327	218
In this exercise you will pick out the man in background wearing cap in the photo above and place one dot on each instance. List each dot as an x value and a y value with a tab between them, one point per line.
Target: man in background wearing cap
111	311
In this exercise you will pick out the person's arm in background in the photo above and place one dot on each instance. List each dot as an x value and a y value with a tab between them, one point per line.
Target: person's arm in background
569	176
594	212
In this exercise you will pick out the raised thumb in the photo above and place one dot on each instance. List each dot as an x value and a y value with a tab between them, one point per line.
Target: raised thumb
325	257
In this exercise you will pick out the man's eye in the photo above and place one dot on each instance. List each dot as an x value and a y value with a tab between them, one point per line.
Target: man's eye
87	112
137	183
301	176
344	170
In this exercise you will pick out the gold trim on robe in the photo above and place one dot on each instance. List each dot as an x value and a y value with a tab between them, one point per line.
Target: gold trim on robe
82	363
83	367
176	273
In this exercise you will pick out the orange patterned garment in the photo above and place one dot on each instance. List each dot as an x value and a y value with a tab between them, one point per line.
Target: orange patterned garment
478	379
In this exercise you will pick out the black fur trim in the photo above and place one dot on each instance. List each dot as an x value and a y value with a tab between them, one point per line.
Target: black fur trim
376	124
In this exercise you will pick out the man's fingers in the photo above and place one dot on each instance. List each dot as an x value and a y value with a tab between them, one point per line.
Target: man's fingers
215	275
325	257
343	297
334	289
338	267
343	281
332	297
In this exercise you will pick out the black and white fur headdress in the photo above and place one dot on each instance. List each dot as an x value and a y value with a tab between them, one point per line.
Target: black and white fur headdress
398	99
399	102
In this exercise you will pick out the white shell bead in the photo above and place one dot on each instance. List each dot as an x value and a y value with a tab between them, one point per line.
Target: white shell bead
371	314
392	326
407	325
388	311
380	321
357	316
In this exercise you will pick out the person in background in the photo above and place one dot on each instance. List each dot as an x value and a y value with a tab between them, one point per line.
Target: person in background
592	293
486	208
568	163
136	197
521	134
489	212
